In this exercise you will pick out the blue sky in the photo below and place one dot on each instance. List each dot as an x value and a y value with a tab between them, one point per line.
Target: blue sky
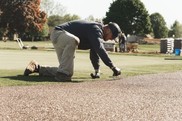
169	9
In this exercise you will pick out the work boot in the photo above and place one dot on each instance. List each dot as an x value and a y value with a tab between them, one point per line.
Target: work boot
33	67
61	77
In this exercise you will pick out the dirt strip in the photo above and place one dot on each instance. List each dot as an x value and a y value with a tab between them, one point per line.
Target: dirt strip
144	98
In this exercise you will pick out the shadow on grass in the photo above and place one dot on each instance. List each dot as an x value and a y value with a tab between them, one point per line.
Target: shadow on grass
36	78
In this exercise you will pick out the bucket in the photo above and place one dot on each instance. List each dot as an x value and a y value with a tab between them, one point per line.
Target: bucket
177	51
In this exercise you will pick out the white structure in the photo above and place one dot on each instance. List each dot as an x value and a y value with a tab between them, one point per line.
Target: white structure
109	46
20	43
170	45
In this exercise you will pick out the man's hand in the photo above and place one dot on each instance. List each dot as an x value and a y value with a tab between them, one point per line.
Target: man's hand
116	71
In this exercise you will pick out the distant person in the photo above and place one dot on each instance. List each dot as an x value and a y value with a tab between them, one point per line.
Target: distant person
122	42
84	35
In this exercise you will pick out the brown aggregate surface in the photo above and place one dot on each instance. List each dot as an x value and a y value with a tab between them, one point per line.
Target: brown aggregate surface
155	97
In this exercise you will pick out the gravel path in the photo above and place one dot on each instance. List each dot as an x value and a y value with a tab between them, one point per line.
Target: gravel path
141	98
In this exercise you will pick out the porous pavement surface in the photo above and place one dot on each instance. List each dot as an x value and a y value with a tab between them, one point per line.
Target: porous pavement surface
154	97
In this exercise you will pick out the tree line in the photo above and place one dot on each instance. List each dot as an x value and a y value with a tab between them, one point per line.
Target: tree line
36	18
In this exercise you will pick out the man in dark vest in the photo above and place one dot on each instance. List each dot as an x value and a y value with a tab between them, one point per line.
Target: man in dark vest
82	35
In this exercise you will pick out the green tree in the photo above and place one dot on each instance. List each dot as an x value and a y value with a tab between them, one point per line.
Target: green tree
56	19
1	33
21	16
45	30
131	16
160	29
53	7
176	30
69	17
90	18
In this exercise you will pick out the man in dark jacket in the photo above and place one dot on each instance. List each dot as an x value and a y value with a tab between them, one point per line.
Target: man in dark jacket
122	42
82	35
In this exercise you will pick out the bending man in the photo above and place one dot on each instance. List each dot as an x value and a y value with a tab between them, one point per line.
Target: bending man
84	35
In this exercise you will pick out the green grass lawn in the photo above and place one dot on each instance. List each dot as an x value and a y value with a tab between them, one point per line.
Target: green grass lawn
149	48
131	64
14	45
